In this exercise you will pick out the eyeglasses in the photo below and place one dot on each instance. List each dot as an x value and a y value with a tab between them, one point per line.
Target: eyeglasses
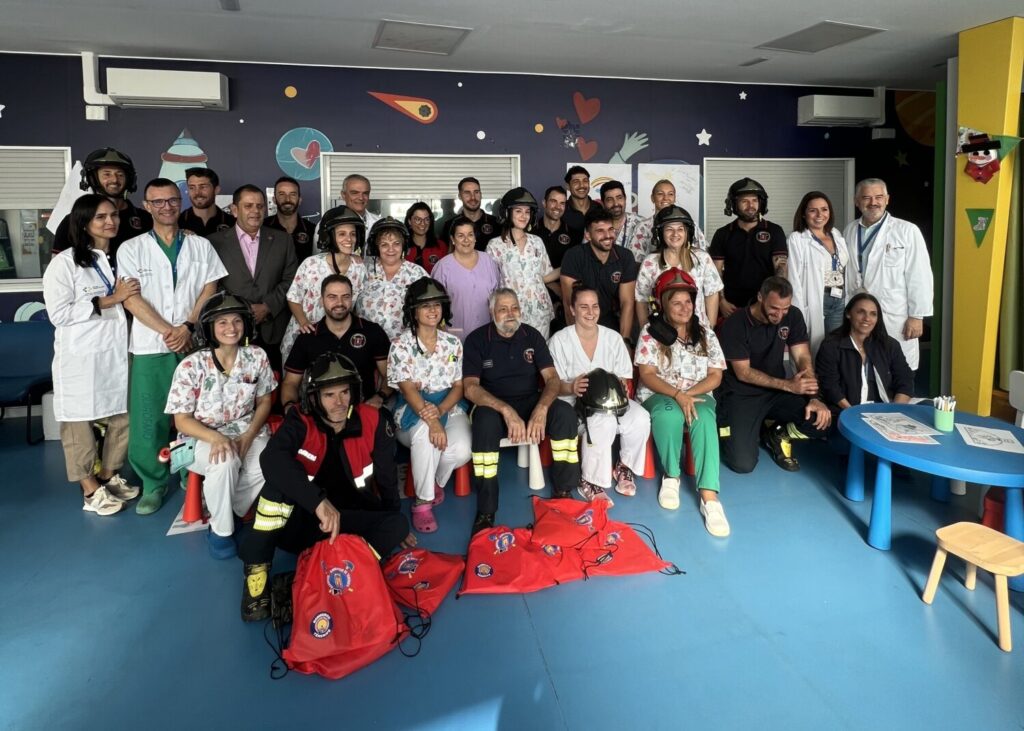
165	202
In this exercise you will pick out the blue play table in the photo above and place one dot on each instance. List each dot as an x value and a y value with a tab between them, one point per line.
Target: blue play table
951	458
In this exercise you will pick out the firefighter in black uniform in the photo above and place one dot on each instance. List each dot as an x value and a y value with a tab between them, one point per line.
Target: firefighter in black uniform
110	173
330	469
204	216
288	198
500	369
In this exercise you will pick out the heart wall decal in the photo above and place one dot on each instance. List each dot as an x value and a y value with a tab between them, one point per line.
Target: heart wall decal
586	109
587	149
307	156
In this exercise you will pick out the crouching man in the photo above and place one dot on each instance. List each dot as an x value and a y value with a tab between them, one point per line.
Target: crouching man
329	469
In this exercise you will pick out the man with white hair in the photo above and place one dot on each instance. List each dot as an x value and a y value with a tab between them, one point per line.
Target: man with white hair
893	264
355	192
500	368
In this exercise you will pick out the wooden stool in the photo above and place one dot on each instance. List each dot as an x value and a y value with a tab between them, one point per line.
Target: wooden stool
983	547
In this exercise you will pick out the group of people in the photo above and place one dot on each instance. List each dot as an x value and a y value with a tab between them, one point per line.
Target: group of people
581	323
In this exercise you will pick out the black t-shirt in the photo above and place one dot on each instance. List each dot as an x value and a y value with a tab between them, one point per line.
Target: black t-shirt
763	344
365	343
557	242
748	258
303	237
507	367
134	221
576	220
486	228
582	264
189	221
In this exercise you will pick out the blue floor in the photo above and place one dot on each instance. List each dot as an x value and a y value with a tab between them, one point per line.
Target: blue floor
793	622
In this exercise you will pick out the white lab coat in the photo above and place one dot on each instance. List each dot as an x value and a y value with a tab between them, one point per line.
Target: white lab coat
807	263
897	270
90	351
141	258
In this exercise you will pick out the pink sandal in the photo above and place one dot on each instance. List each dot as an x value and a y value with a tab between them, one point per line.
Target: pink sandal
423	520
438	495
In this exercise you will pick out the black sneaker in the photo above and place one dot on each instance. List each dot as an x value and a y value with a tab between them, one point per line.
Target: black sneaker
564	494
483	521
256	592
780	447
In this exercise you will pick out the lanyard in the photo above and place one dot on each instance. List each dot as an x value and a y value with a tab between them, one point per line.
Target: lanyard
103	277
862	245
178	239
835	256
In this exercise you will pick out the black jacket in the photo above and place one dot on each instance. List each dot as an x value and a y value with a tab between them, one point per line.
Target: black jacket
839	368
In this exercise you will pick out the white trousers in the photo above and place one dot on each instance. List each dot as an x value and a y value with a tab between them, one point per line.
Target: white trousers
229	487
429	465
633	428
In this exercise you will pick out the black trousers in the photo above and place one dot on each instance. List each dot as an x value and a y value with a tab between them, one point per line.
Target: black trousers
743	415
488	431
382	529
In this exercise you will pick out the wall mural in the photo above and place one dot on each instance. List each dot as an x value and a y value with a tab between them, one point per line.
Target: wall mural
298	152
184	153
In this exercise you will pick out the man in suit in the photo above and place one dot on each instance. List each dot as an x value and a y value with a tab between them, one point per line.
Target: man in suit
261	264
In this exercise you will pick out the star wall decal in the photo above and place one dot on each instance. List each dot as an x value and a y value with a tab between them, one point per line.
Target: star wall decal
703	138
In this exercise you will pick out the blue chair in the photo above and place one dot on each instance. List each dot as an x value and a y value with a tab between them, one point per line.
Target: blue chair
26	356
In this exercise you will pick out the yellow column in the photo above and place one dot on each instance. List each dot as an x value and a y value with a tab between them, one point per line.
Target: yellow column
990	67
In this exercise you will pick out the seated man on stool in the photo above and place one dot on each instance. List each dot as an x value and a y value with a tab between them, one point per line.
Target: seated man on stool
501	365
755	395
329	469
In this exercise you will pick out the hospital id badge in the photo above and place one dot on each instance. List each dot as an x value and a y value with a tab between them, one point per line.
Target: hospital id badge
834	278
183	453
836	292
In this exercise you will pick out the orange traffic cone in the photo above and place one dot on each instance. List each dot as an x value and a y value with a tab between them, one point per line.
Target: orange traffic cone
545	452
193	511
688	466
650	461
410	488
462	481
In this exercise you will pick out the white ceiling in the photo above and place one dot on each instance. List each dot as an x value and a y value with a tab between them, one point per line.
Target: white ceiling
658	39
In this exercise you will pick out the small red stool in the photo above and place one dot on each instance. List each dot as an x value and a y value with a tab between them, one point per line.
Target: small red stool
688	467
995	503
545	452
462	488
650	461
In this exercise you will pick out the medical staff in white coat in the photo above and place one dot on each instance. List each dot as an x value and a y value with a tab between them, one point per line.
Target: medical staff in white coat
893	264
177	272
90	354
577	350
819	267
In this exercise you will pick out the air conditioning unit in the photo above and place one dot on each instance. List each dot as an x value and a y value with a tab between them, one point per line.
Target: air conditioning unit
167	89
825	110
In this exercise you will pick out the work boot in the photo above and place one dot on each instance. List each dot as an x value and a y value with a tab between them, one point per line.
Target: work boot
484	521
779	446
256	592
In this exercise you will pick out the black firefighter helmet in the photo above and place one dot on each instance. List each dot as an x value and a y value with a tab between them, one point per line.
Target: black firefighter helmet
223	303
107	157
515	197
388	223
605	394
422	292
672	214
331	220
746	186
328	369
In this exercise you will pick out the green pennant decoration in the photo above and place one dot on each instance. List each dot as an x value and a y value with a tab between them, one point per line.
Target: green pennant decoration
1008	143
981	219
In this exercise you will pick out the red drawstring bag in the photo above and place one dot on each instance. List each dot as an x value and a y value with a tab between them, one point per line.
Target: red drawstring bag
502	560
421	579
343	616
619	550
566	522
564	564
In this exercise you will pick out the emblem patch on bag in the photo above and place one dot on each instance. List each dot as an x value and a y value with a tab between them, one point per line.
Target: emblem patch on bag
340	579
503	541
484	571
321	625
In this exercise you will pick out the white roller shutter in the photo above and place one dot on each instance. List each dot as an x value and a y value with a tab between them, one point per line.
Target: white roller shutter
32	177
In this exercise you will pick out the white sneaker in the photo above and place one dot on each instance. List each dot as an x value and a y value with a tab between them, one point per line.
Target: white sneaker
119	489
588	491
714	518
668	495
101	502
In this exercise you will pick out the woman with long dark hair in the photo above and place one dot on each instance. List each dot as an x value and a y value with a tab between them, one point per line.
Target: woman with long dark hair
424	247
90	354
680	364
819	268
859	362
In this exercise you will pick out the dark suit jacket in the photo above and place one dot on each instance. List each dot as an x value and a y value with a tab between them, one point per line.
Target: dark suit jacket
275	270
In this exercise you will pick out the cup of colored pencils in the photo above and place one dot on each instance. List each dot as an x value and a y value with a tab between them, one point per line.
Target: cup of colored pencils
945	408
